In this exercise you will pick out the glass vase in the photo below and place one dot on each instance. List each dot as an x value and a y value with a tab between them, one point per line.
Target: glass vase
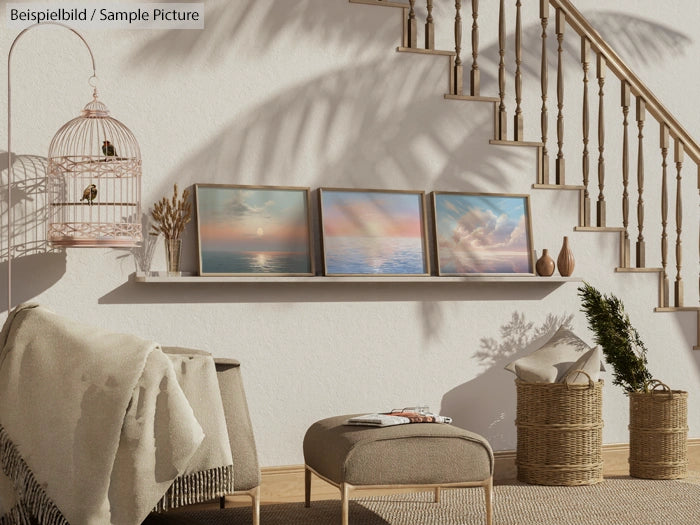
172	255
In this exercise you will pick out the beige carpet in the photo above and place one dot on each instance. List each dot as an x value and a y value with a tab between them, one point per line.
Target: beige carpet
616	501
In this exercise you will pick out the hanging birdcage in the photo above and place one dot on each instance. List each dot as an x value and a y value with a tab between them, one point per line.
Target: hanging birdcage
94	182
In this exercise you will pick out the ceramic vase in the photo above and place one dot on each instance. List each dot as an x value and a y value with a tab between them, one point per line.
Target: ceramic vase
545	264
565	261
172	255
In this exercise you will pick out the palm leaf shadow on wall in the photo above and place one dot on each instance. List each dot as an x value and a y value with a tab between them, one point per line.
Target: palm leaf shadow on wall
355	123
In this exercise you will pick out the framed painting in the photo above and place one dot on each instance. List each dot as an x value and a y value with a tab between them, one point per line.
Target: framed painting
483	234
373	232
254	230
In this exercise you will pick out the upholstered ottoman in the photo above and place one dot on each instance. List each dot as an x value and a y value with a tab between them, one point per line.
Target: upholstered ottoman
416	455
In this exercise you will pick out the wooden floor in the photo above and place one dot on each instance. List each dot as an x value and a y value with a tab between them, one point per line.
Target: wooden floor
286	484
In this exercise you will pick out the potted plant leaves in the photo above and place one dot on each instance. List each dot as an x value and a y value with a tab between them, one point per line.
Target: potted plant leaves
658	415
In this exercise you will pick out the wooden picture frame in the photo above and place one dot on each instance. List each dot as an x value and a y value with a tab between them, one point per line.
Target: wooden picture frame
373	232
482	234
254	230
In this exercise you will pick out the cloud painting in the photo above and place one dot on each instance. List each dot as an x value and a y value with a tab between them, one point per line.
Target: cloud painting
482	234
244	229
373	232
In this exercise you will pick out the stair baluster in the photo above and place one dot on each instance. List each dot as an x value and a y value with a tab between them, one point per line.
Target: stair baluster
429	27
502	116
560	25
663	294
475	78
412	26
600	205
641	245
458	73
678	285
626	248
585	50
518	117
544	80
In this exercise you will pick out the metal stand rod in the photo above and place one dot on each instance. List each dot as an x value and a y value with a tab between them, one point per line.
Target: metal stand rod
9	146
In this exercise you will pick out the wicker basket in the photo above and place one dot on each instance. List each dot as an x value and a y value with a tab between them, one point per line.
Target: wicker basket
560	433
659	433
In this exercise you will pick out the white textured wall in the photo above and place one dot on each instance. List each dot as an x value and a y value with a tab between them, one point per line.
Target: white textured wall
310	93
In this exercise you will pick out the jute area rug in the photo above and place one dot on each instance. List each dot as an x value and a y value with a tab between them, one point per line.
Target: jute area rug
616	501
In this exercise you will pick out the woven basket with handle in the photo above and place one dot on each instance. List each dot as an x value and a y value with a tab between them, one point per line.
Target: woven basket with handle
659	433
560	432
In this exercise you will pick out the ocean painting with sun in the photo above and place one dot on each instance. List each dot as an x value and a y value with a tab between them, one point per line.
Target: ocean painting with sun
373	232
246	230
483	234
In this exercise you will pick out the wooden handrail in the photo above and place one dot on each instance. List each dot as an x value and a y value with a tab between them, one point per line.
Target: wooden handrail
615	64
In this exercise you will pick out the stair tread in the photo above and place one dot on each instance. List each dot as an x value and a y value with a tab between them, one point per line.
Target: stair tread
450	96
421	51
598	229
380	3
557	187
515	143
677	309
622	269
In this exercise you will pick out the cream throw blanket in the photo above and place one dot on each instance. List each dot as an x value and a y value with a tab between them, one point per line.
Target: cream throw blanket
95	428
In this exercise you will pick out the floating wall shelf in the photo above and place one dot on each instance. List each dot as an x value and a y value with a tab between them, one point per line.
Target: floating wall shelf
144	278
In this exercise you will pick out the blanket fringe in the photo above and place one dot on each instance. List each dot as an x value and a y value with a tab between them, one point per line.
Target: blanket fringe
18	515
197	487
33	501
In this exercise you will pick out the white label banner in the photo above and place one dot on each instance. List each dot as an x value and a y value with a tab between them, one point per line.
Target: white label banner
115	15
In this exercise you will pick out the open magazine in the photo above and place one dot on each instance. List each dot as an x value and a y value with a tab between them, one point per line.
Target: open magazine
399	417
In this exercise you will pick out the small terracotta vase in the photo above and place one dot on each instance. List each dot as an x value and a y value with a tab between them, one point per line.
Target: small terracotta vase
565	261
545	264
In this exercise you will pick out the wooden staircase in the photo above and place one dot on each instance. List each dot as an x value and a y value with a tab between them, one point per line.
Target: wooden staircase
673	138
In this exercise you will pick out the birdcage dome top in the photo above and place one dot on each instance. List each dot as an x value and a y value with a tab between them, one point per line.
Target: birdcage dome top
94	109
95	136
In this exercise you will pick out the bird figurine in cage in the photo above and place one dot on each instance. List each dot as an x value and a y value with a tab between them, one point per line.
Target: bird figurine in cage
108	149
89	194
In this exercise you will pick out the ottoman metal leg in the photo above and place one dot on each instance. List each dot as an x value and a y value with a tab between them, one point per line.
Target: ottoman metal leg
307	486
488	489
255	495
344	497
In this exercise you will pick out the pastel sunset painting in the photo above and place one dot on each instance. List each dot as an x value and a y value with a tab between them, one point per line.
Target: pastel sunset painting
373	232
482	234
253	230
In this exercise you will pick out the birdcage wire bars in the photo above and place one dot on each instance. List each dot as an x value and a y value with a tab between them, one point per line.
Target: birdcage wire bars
94	182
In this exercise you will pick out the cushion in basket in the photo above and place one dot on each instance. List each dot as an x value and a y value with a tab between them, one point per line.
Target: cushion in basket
550	362
589	363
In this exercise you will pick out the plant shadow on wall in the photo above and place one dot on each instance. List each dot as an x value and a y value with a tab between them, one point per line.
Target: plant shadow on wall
486	405
35	265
